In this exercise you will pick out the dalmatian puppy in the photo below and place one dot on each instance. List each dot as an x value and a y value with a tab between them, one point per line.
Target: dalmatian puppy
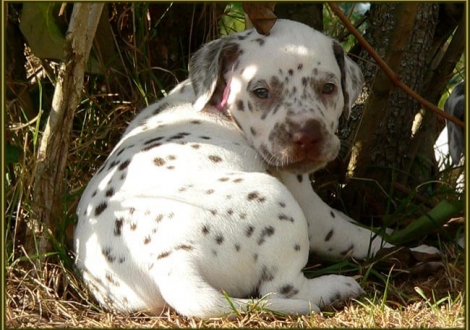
205	204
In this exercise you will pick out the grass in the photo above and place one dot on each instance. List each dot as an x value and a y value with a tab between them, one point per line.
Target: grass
42	290
54	297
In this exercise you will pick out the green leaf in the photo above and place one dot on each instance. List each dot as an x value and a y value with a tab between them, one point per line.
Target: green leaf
40	26
428	223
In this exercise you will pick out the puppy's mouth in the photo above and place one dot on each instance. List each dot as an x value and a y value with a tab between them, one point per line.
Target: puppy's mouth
298	161
303	148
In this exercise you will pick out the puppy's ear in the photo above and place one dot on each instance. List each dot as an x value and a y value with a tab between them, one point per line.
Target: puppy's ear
351	78
207	68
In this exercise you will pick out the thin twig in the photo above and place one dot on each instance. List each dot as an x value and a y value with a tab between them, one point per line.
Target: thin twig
389	72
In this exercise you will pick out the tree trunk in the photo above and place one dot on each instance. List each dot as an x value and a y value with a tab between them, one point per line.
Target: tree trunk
310	14
53	150
402	33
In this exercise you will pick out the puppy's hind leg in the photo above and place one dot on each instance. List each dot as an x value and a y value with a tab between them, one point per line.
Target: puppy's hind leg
186	291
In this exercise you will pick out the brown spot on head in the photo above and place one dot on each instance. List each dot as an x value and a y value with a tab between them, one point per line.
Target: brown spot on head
159	161
253	195
215	158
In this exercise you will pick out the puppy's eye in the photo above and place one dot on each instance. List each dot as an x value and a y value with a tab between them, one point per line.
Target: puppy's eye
262	93
328	88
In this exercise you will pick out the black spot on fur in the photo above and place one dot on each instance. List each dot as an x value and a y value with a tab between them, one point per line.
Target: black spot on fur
249	230
284	217
161	107
154	145
297	247
153	140
113	163
333	214
252	196
219	239
267	231
205	230
240	105
266	275
328	236
288	291
109	192
260	41
100	208
118	226
300	178
107	253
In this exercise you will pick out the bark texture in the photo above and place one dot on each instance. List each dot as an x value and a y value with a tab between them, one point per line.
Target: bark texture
53	150
402	34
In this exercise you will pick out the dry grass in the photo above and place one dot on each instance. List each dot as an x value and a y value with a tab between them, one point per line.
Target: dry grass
52	296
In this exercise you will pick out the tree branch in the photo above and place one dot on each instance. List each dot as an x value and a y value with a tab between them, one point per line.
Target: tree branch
389	72
53	150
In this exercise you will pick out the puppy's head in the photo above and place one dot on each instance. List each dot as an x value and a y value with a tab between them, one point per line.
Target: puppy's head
286	91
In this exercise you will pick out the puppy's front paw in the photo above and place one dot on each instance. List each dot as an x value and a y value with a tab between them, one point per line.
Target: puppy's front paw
428	252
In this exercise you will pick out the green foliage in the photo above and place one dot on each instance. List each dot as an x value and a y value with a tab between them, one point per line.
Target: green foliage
233	20
428	223
334	28
42	29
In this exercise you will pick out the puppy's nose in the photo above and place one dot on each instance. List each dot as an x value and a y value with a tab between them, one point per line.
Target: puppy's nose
308	134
